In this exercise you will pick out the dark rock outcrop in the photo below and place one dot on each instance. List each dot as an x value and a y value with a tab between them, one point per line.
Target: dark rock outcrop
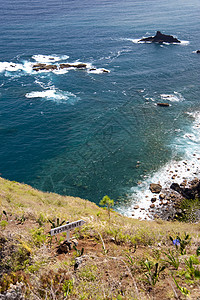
43	67
160	38
192	192
198	51
163	104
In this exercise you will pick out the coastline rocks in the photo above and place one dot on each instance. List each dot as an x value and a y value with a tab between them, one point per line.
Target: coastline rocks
191	192
170	201
160	38
155	188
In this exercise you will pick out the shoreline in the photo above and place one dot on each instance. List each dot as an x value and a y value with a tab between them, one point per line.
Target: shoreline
157	198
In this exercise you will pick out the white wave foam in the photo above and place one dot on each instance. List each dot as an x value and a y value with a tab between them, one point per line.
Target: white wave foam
10	66
27	66
61	71
52	94
175	97
49	58
185	43
135	41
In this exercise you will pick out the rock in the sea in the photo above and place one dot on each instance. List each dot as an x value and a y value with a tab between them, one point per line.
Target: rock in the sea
162	104
198	51
42	67
160	38
65	66
105	71
155	188
79	66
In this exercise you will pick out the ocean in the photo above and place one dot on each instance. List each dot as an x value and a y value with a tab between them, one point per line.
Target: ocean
98	130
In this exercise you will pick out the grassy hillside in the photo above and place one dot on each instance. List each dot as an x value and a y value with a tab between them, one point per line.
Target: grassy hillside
122	258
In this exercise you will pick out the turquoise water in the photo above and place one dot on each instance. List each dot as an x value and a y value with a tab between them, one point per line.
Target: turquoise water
83	132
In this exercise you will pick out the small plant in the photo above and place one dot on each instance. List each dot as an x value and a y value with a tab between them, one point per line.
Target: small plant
190	263
198	251
3	224
173	259
153	271
130	260
57	223
181	243
41	220
183	290
106	201
89	273
78	252
38	236
68	287
21	219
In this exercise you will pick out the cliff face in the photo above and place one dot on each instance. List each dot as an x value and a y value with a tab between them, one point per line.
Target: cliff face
109	254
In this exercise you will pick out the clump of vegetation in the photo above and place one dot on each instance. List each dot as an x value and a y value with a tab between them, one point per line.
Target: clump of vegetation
190	210
181	243
152	272
3	224
125	259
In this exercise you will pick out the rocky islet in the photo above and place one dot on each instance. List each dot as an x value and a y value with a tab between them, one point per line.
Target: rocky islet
160	38
52	67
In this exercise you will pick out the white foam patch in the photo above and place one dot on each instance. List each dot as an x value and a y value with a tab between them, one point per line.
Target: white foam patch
49	58
135	41
175	97
26	67
10	66
175	171
184	43
52	94
61	71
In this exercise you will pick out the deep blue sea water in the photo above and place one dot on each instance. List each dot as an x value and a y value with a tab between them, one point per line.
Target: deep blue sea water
90	133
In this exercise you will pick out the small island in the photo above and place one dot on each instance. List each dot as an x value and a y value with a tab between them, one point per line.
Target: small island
160	38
